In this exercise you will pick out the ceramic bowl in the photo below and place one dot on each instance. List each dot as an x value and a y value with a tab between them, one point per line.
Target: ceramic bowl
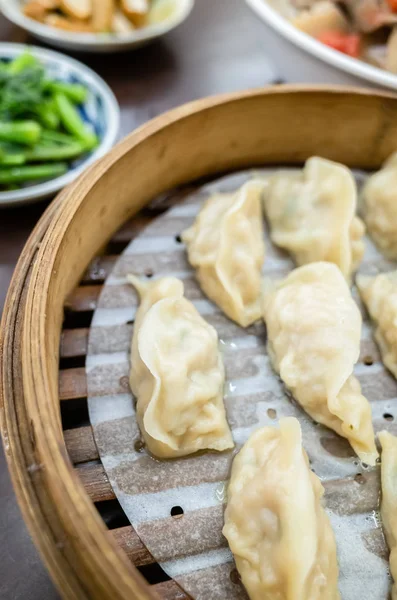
100	110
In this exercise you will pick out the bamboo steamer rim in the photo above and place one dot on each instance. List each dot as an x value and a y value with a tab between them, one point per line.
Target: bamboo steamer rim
82	559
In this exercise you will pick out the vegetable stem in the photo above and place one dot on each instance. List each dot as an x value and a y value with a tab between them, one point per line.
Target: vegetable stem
55	152
11	160
72	121
21	132
76	92
56	137
28	173
22	62
48	114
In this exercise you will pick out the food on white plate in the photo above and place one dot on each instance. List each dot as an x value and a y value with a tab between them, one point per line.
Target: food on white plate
102	15
60	22
41	129
177	373
276	526
362	29
324	15
96	16
379	294
136	10
226	246
311	213
79	9
314	329
38	9
388	507
120	23
379	207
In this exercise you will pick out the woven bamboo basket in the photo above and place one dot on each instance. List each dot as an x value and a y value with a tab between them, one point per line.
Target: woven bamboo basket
89	547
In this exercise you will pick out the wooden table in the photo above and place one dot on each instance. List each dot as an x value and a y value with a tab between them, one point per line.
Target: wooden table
218	49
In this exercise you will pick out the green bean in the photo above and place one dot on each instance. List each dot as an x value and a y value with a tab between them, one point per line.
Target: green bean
22	132
56	137
72	121
76	92
12	160
28	173
20	63
48	114
55	152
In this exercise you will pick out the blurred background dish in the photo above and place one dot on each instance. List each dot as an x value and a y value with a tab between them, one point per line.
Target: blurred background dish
98	111
99	28
301	57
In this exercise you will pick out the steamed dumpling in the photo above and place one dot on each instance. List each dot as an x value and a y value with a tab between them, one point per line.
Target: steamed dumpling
226	246
311	214
314	328
379	206
379	294
276	526
388	507
177	373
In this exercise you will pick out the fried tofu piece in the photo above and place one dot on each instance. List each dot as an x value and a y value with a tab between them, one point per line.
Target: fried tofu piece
102	15
121	24
78	9
67	24
136	11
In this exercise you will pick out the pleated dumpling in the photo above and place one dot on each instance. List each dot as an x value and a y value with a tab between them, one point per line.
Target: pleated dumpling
276	526
379	294
379	207
388	507
314	329
177	373
225	244
311	213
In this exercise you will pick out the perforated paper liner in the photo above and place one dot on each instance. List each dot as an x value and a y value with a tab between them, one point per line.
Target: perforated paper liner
191	548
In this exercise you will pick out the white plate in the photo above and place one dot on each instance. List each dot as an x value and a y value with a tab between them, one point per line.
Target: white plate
97	42
300	57
100	109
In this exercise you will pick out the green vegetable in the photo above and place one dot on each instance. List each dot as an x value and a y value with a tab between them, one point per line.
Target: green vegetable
39	123
72	121
56	137
76	92
26	173
21	132
22	92
48	115
12	160
55	152
22	62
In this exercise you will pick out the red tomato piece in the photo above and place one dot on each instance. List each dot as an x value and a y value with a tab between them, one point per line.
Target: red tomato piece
348	43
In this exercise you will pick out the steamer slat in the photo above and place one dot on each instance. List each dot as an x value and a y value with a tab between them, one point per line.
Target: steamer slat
80	445
83	298
95	481
169	590
72	384
130	542
74	342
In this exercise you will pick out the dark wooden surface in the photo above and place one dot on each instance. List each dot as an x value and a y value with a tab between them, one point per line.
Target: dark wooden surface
218	49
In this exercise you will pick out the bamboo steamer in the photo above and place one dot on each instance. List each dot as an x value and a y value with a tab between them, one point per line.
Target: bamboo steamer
279	125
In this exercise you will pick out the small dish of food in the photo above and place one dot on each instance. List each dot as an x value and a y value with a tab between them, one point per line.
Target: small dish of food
56	117
97	25
334	41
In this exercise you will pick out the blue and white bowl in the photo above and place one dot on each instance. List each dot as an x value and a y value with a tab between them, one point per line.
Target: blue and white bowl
100	111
